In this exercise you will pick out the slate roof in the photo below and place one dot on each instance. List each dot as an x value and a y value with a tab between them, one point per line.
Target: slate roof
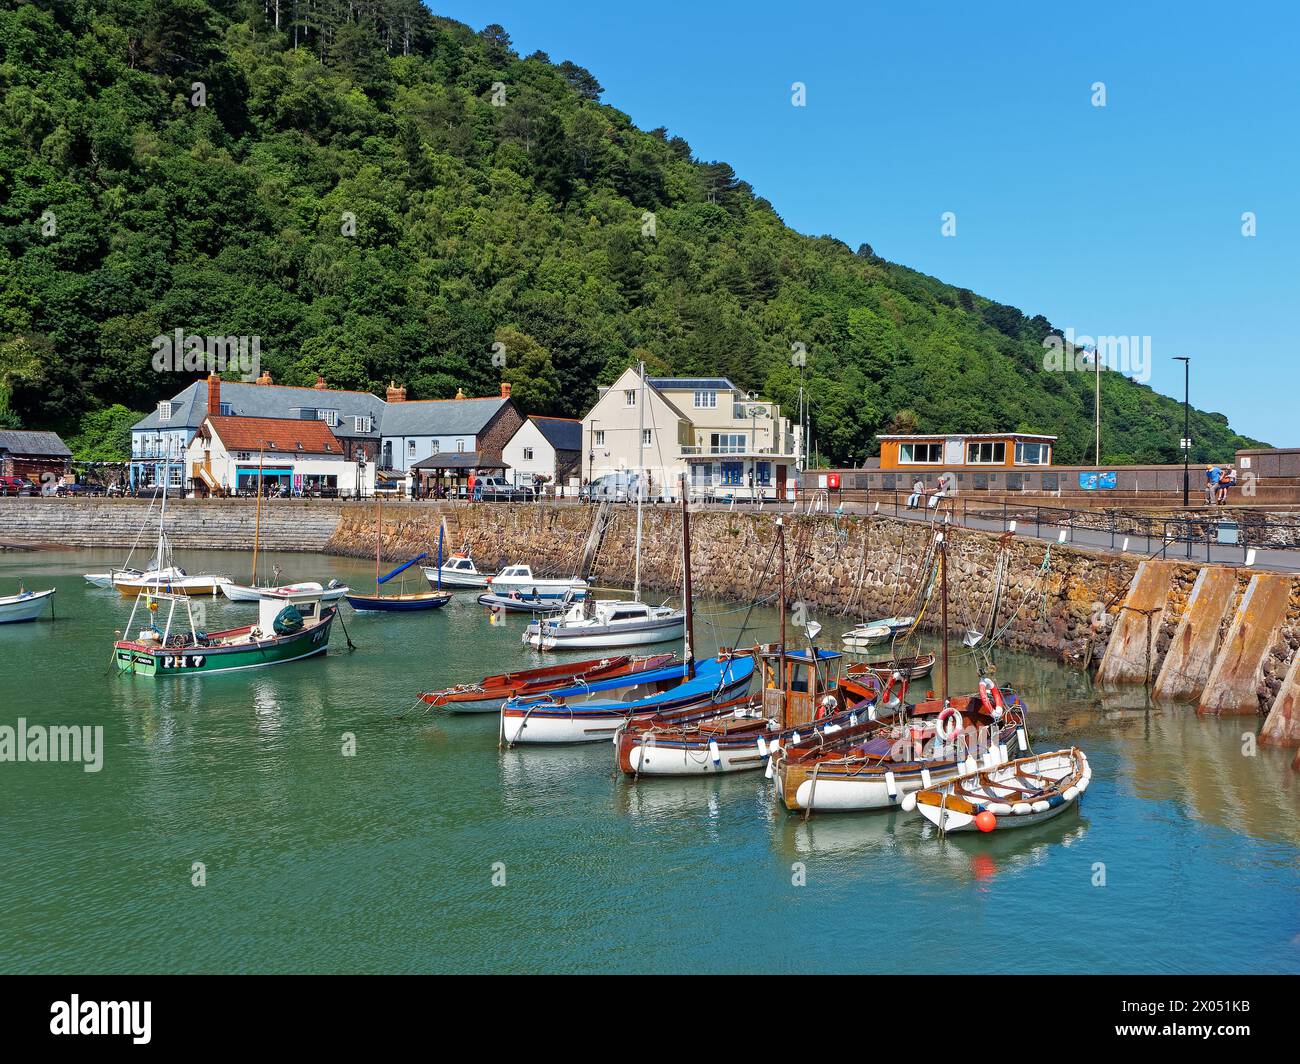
190	406
458	460
45	444
440	417
562	433
278	435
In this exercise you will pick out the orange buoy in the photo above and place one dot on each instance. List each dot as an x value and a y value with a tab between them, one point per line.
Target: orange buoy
986	821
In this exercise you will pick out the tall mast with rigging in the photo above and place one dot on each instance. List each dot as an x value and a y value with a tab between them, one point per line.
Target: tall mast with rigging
689	650
640	480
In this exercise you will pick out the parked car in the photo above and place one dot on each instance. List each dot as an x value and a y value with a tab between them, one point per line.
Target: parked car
498	489
80	489
18	486
622	487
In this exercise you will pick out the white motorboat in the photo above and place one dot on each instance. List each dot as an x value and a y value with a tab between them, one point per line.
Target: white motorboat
457	571
612	623
24	606
872	633
105	580
519	578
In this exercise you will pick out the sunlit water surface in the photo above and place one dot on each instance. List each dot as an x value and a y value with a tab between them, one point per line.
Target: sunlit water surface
1183	856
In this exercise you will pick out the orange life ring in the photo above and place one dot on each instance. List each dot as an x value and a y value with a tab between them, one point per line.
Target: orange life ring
993	703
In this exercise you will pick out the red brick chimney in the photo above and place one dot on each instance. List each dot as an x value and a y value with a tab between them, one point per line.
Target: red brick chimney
320	384
214	394
505	389
460	393
396	394
265	378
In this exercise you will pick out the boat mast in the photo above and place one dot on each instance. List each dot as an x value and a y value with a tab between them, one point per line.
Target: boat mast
943	595
257	519
640	478
379	527
781	674
686	585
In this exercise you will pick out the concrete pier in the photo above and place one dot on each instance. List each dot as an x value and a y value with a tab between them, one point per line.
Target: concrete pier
1282	726
1192	652
1131	652
1233	686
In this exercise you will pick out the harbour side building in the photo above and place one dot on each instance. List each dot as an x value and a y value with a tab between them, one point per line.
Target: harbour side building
728	442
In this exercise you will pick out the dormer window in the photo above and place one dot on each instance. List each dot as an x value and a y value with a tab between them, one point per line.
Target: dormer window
164	411
330	417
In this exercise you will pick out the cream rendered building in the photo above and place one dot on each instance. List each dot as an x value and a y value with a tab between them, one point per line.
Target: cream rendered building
702	427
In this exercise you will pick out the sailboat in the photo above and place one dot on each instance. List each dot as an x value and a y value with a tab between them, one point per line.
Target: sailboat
803	697
586	713
874	766
612	622
400	603
251	592
163	574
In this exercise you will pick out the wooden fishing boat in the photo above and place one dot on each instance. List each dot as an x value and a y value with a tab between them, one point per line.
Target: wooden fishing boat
488	694
874	767
917	667
25	606
586	713
1022	792
291	625
405	602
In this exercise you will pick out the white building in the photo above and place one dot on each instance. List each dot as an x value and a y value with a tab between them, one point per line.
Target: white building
728	442
229	455
547	446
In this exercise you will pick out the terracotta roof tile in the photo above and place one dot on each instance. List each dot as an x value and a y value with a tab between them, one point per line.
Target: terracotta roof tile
282	435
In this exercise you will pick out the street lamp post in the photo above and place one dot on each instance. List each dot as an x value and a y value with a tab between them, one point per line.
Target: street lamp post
1187	440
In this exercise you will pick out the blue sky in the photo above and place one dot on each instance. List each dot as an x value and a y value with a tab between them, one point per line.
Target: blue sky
1117	220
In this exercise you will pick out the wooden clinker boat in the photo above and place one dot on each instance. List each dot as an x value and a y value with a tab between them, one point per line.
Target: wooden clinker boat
487	695
918	667
1022	792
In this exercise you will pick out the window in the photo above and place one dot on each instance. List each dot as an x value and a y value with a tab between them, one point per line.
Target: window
227	410
528	454
706	400
599	434
1033	453
436	447
764	473
363	424
732	472
164	411
629	398
920	453
727	443
986	452
330	417
647	437
410	448
460	446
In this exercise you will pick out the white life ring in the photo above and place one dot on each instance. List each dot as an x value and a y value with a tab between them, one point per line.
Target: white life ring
949	713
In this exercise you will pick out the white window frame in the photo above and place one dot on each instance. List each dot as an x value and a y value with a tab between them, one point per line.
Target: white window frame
1044	452
629	397
528	454
647	437
165	410
728	442
410	448
598	437
706	399
975	450
907	453
330	417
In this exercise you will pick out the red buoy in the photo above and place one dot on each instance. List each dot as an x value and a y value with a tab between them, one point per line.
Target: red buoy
986	821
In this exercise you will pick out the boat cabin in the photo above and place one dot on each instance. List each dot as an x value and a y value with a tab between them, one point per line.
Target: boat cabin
307	601
460	563
809	675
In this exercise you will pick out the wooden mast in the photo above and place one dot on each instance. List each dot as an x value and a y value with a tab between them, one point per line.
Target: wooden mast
943	596
782	678
379	536
686	585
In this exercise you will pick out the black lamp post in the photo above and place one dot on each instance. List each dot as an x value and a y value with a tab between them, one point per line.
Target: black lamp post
1186	441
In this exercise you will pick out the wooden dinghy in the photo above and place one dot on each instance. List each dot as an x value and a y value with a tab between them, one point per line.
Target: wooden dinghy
913	668
1026	791
488	694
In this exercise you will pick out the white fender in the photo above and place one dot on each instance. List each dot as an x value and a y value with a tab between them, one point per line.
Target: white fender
1082	785
1003	756
794	738
909	801
925	782
714	756
1022	740
969	765
762	747
871	712
770	771
999	808
1021	808
890	785
775	748
853	720
830	729
1042	807
1071	794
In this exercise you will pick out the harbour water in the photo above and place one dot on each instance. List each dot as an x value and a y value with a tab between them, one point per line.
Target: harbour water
1184	856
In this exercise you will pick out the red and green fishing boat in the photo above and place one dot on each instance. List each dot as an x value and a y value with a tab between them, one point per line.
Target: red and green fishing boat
291	625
